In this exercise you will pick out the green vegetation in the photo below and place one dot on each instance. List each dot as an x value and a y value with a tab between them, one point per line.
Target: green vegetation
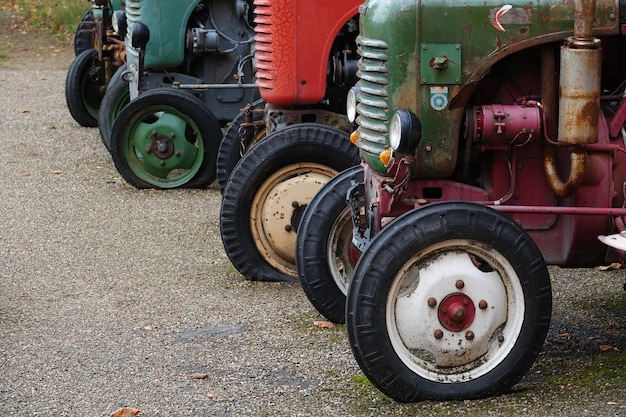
60	17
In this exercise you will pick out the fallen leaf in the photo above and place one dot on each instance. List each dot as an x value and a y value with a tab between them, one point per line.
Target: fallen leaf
612	267
604	348
25	111
147	327
323	324
58	172
26	174
611	403
125	412
197	376
211	395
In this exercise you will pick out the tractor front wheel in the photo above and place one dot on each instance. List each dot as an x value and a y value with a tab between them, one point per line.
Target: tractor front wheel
85	85
166	138
234	144
268	192
451	301
116	97
325	255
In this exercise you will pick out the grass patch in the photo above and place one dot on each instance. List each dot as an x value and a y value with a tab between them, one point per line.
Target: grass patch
59	17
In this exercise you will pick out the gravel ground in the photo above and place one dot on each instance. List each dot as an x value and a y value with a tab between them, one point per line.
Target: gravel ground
113	297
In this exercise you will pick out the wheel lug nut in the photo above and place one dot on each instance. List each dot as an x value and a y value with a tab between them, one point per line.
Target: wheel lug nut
154	133
438	334
162	163
482	304
459	284
288	227
295	204
172	135
179	153
500	338
432	302
469	335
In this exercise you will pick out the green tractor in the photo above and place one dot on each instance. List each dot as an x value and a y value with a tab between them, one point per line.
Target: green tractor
189	72
100	51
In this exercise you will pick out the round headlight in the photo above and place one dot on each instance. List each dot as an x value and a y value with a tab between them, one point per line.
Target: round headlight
118	21
351	102
405	132
139	35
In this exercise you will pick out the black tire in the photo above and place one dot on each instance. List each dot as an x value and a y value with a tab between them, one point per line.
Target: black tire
233	147
325	256
166	139
84	87
84	36
460	284
116	97
290	165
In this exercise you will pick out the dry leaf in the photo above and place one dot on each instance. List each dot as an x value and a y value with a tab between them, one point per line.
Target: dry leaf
26	174
612	267
604	348
323	324
58	172
25	111
125	412
211	395
197	376
611	403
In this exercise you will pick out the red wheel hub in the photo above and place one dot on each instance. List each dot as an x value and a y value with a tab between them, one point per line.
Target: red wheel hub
456	312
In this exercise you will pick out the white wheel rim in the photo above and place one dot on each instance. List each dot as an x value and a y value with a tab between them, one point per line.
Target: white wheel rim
416	330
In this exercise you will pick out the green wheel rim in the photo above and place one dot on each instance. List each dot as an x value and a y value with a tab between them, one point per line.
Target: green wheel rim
163	147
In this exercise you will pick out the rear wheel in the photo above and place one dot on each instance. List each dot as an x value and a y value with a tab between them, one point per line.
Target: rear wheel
449	301
166	139
116	97
268	191
325	256
85	84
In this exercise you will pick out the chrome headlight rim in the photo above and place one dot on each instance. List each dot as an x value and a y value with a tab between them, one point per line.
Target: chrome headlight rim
119	22
405	132
351	103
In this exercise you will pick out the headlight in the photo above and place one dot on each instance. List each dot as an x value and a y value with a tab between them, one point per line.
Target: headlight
118	21
405	132
351	103
139	35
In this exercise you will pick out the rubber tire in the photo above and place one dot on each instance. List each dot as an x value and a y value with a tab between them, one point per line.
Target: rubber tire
300	143
388	252
312	244
230	149
116	97
83	94
164	99
84	36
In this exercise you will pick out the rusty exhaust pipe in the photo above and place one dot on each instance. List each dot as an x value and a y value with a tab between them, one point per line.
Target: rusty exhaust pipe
579	100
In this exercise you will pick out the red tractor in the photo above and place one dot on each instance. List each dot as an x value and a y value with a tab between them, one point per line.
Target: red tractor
306	63
489	150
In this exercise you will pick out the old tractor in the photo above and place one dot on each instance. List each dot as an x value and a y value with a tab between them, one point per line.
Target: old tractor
189	72
305	53
489	150
99	53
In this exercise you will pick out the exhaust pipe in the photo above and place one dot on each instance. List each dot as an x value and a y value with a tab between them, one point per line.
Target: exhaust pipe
579	99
